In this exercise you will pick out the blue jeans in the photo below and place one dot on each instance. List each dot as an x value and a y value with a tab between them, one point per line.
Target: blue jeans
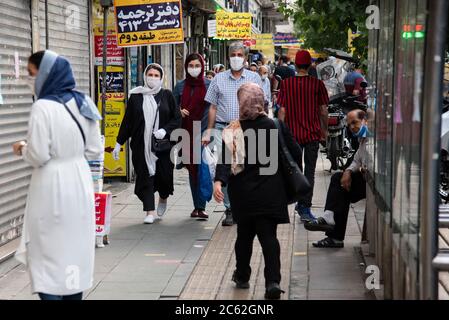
76	296
198	203
218	141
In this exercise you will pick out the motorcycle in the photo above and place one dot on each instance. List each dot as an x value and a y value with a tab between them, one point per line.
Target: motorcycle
341	145
444	154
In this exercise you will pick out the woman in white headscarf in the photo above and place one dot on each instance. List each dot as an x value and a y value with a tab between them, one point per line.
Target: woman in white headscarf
58	236
151	110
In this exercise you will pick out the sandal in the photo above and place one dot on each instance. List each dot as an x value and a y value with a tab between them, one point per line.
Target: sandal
318	225
328	243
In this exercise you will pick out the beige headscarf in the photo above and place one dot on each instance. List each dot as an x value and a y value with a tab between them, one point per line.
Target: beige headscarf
251	101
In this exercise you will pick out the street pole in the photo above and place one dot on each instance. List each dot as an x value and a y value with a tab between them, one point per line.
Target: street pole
105	5
431	121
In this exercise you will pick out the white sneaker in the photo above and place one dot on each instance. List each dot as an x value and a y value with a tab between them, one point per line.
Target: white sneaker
149	219
161	208
99	242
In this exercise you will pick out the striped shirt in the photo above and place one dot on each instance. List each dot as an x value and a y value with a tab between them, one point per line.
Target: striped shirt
222	92
302	97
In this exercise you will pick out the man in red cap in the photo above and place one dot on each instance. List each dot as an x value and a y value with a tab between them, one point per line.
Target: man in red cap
303	104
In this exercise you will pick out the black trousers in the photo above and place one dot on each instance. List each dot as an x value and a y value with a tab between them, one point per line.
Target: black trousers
266	230
338	201
310	152
161	182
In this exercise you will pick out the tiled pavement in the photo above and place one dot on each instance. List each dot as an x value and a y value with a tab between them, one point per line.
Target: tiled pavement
181	258
307	272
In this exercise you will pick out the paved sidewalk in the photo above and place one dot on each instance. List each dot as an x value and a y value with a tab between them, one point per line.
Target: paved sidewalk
307	272
143	261
324	273
182	258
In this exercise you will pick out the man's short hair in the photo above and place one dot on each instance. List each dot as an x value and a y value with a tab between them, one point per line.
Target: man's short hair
284	59
238	45
361	115
303	66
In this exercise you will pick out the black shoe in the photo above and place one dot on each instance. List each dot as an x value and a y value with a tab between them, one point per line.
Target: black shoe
328	243
318	225
227	221
273	291
238	283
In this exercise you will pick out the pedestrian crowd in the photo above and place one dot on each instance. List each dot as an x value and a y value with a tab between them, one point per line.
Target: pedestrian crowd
225	110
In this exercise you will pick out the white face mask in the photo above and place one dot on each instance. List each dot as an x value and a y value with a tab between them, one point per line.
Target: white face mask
31	81
194	72
153	82
264	76
236	63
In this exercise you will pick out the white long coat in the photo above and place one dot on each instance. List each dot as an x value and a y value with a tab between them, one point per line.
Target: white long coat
58	239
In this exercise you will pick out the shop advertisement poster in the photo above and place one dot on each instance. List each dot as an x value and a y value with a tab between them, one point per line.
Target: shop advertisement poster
264	43
115	111
103	212
233	25
115	54
148	22
286	39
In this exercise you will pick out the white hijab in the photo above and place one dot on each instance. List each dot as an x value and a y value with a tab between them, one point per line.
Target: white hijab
150	113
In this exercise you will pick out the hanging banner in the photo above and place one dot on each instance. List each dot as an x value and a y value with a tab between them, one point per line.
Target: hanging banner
143	22
264	43
115	54
115	111
233	25
282	39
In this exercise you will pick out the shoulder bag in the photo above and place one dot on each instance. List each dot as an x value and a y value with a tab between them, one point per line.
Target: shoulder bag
296	184
73	117
159	145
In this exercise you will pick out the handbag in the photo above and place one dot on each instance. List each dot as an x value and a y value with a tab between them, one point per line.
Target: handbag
296	184
159	145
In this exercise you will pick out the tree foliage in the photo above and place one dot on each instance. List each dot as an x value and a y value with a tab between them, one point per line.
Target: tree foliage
325	23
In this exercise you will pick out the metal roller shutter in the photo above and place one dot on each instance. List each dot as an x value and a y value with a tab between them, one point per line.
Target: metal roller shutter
67	40
15	48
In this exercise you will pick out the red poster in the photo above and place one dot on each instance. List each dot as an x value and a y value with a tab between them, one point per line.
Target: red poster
103	204
115	54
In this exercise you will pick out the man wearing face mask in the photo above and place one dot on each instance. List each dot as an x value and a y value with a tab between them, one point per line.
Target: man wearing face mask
222	95
345	188
266	85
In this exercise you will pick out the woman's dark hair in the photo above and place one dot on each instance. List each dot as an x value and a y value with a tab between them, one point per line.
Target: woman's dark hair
193	56
36	58
152	66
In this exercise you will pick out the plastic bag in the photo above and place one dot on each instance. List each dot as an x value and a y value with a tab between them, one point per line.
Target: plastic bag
205	175
210	158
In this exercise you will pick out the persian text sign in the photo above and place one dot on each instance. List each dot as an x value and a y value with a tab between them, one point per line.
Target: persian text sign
115	111
148	22
233	25
282	39
264	43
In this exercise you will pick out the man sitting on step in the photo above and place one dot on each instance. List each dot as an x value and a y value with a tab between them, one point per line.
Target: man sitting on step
345	188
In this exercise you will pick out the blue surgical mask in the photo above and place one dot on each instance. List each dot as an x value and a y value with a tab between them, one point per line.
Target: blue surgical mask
362	132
